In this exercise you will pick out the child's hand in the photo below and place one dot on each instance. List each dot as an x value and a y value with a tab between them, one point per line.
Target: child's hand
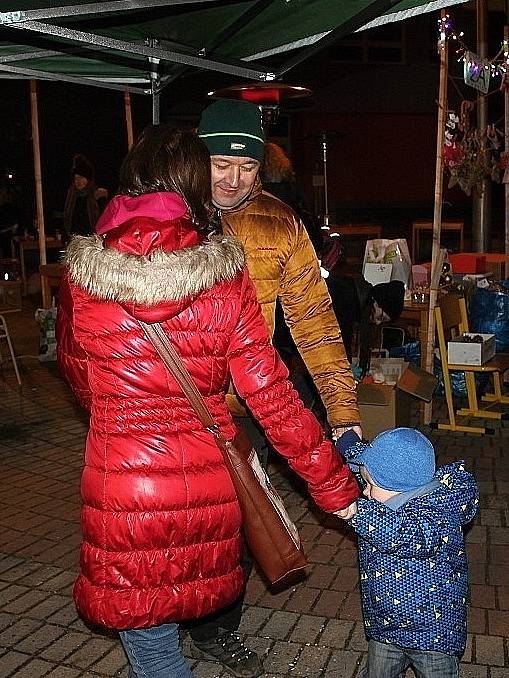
348	512
338	431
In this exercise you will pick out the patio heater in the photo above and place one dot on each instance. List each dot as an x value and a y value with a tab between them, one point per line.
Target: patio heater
324	139
266	95
326	215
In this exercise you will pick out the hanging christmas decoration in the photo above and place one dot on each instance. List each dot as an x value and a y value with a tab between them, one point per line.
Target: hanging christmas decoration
471	155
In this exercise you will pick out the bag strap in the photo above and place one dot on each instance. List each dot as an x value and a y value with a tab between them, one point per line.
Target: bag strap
158	338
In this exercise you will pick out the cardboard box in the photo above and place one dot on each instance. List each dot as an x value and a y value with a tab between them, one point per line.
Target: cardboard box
10	295
460	352
467	263
377	273
383	406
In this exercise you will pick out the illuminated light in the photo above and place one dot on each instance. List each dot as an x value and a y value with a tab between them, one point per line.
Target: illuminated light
261	96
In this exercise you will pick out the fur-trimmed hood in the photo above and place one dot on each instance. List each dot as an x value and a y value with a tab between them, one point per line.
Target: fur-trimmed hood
156	285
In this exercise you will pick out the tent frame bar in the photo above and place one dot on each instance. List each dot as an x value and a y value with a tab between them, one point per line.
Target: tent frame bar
228	32
365	16
27	56
237	25
32	73
232	68
91	8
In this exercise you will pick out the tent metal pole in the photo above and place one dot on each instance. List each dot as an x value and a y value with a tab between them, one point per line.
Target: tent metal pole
128	120
251	13
225	35
437	254
26	56
57	77
229	66
156	108
38	183
116	6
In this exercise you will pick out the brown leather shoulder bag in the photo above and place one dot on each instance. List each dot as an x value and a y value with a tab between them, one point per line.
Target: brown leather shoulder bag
270	533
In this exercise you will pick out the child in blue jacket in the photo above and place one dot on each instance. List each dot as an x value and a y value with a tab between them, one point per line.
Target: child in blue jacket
413	566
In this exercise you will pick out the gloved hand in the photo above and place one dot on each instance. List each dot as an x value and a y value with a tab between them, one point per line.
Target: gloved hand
347	441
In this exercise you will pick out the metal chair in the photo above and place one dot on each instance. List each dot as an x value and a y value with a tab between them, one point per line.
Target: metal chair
4	334
452	320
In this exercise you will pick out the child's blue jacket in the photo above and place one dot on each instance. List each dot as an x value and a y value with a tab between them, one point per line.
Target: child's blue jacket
413	567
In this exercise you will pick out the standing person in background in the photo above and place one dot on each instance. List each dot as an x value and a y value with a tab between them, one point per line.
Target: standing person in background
161	523
85	201
278	178
282	264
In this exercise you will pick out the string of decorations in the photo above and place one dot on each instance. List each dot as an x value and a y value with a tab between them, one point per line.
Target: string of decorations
498	65
471	154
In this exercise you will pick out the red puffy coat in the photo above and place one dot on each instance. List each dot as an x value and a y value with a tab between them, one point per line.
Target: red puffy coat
161	524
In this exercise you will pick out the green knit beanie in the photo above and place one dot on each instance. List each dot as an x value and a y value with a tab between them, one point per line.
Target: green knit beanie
232	127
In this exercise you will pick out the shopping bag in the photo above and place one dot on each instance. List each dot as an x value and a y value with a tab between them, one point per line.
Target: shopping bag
394	252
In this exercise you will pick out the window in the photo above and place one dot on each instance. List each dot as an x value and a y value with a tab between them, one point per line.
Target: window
383	45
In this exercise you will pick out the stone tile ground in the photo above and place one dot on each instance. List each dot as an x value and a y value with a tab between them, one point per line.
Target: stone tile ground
312	630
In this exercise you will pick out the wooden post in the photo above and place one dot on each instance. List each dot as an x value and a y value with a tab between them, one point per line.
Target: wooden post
482	198
506	131
46	303
128	119
437	261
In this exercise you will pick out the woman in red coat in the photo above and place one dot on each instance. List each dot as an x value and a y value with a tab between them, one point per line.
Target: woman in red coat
161	523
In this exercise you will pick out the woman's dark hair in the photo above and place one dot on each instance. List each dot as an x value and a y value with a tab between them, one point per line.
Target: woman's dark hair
168	159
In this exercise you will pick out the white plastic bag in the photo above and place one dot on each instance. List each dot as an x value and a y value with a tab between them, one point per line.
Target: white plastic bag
395	252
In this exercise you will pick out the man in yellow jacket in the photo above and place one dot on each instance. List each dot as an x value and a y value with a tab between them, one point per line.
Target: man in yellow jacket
282	264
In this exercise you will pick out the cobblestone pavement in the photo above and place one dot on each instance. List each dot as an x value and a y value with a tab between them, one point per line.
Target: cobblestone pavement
314	629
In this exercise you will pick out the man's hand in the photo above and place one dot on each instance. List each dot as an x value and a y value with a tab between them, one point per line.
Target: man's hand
348	512
338	431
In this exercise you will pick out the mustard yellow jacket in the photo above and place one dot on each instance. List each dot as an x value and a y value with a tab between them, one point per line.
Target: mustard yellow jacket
283	263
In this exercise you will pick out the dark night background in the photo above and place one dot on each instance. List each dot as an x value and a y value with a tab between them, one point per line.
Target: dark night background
375	92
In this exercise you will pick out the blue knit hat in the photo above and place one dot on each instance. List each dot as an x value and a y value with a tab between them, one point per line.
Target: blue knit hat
232	127
400	459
